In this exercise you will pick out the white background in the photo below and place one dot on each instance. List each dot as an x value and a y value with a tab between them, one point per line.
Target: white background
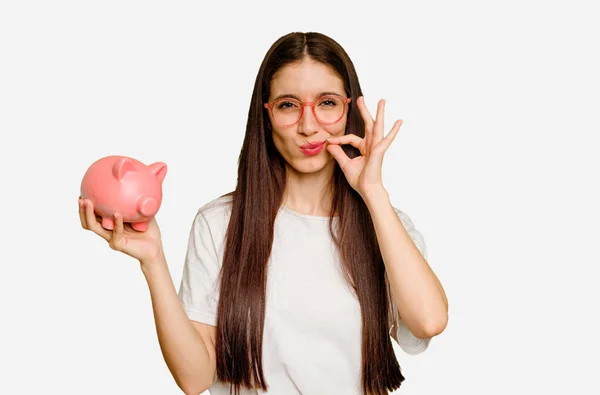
496	164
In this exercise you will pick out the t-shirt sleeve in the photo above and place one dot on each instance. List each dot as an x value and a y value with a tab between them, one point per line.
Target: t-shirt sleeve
407	341
199	288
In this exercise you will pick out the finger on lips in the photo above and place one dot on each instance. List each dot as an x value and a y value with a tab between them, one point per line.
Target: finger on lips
351	139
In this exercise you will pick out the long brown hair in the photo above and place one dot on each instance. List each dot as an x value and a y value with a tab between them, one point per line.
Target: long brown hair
256	201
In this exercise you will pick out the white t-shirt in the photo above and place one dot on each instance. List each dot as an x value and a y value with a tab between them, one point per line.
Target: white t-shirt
312	334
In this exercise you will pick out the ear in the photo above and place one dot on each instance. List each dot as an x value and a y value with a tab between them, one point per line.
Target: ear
122	166
159	169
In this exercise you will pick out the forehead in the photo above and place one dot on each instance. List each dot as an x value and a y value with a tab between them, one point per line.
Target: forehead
306	79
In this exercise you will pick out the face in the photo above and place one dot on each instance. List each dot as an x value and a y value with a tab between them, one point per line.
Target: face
306	81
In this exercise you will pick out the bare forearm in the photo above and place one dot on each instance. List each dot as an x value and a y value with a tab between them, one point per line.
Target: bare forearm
417	291
182	346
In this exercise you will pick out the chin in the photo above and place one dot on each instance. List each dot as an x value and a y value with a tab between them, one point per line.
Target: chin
311	165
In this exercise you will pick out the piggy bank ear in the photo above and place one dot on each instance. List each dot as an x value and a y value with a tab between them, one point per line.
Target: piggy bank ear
121	167
159	169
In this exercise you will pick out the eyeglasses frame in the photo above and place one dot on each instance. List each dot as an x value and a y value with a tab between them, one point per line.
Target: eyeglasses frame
303	104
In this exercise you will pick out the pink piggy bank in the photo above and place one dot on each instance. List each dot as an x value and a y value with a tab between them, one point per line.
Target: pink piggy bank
124	185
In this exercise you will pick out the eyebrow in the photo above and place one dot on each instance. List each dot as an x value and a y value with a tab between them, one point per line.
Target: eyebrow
297	98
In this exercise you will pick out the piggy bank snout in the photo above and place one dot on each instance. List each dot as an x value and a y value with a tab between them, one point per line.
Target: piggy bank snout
148	206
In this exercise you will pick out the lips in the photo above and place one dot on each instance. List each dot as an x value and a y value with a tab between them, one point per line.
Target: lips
312	149
312	145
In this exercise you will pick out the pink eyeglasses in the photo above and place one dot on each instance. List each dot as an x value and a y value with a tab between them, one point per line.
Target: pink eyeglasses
328	109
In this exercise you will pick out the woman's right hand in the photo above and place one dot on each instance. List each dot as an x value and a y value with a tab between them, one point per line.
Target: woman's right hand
144	246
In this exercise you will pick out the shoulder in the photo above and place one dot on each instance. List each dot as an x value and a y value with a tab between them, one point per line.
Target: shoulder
215	213
212	219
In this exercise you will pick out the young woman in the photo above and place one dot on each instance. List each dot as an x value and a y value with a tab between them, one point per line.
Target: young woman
294	282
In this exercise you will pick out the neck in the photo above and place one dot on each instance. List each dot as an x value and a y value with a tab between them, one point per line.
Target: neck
309	193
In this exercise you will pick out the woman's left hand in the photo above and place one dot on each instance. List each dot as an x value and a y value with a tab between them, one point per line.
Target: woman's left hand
364	172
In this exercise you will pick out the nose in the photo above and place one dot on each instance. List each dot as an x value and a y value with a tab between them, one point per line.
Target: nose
308	124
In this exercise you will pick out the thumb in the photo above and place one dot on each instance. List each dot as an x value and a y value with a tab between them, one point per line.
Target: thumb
339	155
